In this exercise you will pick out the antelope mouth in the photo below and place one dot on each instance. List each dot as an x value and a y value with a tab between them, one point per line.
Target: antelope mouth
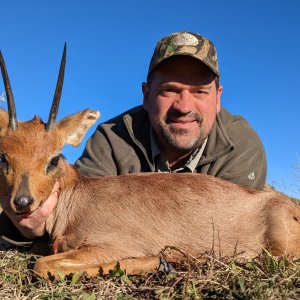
29	213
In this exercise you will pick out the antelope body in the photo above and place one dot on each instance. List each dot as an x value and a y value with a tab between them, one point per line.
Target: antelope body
130	218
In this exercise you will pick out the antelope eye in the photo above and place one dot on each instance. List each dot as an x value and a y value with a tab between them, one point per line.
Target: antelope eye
53	163
2	159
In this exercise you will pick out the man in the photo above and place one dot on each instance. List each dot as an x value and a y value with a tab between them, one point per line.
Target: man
181	127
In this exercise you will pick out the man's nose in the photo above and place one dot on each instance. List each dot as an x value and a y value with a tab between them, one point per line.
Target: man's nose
184	102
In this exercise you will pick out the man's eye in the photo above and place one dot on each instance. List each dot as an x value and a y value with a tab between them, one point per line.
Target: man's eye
200	92
168	92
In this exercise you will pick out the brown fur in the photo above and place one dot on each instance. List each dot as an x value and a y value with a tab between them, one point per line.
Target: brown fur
132	218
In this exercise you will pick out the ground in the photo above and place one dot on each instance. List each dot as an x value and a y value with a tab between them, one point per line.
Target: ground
265	277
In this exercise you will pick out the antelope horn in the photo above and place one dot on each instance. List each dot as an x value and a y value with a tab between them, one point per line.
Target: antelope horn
56	99
12	121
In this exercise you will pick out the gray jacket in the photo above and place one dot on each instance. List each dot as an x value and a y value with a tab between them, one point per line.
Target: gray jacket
122	145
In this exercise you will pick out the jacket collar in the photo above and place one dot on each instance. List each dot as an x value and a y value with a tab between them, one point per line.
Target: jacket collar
218	142
138	126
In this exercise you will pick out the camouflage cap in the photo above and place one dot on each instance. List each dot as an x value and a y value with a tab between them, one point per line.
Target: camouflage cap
185	43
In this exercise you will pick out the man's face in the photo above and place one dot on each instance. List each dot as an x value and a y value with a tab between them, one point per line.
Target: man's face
182	101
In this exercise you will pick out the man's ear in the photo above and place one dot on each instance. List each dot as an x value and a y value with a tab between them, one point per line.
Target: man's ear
219	93
3	120
72	129
145	90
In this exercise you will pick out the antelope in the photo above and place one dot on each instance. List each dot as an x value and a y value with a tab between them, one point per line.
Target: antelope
130	219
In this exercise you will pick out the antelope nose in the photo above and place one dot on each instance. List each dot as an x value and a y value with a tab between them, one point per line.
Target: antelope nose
22	203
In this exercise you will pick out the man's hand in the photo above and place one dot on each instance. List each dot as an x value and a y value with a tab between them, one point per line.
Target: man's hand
33	226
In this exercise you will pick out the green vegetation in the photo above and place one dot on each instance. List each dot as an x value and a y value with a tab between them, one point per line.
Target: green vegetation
265	277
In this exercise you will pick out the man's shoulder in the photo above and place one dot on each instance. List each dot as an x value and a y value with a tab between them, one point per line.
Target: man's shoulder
233	124
237	128
228	118
131	124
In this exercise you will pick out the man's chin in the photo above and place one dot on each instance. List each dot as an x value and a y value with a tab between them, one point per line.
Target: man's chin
182	149
183	145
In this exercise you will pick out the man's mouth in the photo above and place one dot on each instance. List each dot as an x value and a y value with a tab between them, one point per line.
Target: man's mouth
182	122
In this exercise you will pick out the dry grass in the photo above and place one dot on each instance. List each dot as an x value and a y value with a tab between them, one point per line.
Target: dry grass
265	277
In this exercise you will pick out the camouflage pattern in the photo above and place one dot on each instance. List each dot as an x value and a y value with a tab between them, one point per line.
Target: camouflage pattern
186	43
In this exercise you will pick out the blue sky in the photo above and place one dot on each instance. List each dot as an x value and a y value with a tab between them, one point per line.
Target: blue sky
110	44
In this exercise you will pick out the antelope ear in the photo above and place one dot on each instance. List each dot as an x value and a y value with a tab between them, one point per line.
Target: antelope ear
3	120
73	128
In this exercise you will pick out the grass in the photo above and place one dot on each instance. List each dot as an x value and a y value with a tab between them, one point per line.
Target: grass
264	277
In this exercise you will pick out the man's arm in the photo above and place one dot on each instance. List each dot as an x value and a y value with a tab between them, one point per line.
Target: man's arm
97	158
247	164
